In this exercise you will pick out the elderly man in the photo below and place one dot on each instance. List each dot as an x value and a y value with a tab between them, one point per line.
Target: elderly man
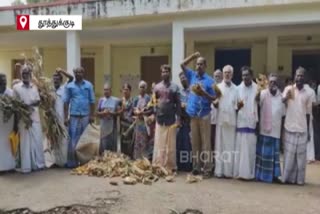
297	129
79	95
247	119
7	160
31	140
60	151
218	77
198	108
272	111
226	125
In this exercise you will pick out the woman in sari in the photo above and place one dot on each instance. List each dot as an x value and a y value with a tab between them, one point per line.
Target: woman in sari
142	130
107	112
126	121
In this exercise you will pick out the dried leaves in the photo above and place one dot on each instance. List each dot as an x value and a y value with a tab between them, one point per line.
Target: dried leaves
119	165
11	106
55	129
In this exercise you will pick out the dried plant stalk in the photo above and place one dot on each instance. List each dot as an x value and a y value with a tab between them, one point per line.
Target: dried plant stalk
11	106
54	127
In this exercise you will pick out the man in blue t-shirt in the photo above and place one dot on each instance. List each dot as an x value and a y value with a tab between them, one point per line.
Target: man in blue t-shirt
198	108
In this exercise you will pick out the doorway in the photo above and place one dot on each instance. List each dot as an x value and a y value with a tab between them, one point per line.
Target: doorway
88	64
15	74
237	58
150	68
310	60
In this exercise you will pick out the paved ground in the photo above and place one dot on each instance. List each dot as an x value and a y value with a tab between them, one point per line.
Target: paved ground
47	189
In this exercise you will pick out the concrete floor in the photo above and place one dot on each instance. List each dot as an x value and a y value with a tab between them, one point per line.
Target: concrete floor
56	187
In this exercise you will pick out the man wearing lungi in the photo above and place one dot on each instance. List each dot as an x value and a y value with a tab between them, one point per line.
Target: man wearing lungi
297	130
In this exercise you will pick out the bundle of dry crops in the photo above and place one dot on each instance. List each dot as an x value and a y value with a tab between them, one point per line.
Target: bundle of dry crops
11	106
197	89
55	129
217	90
119	165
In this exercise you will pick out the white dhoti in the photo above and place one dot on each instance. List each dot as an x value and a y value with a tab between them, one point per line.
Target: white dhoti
7	160
310	144
224	150
245	156
31	147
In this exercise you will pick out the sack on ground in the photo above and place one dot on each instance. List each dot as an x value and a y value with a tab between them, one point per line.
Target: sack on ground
88	145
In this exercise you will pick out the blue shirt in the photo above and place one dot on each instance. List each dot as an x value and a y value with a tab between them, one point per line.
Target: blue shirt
198	106
80	97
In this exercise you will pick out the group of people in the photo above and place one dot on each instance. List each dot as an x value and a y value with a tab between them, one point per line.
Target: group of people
210	125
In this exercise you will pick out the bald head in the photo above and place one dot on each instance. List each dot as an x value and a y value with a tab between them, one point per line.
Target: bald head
201	65
79	74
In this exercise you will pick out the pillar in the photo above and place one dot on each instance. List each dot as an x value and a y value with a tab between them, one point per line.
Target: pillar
272	54
73	50
177	51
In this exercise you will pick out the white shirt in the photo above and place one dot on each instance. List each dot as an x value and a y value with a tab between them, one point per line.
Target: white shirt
213	115
59	103
7	92
248	114
226	112
29	95
278	111
297	109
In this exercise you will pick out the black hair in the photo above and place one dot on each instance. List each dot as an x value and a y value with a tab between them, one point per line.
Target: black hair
165	66
58	75
127	85
247	68
182	74
204	60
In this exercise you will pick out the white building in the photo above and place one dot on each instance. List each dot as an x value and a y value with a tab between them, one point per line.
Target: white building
125	40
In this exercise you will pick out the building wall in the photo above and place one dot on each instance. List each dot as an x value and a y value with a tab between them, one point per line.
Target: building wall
258	54
126	60
6	57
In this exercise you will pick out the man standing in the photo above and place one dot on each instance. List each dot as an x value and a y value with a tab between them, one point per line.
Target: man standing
80	96
272	111
198	108
168	110
184	150
297	130
217	76
226	125
60	153
310	144
31	140
7	160
247	120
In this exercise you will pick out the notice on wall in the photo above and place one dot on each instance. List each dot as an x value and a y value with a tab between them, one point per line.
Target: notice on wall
133	80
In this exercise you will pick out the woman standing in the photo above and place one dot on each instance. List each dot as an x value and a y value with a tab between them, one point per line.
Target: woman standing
142	130
108	107
126	121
